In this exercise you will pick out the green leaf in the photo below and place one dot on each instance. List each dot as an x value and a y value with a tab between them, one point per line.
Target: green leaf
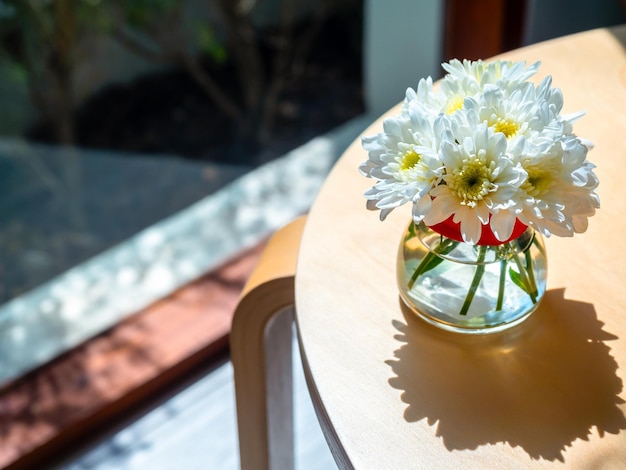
525	276
433	259
517	280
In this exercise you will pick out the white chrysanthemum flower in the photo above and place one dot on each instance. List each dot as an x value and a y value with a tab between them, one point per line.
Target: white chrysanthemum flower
424	98
403	159
455	92
522	113
558	195
486	148
506	75
479	179
511	116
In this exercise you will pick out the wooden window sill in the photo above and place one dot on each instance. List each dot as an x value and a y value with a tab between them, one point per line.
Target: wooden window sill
46	412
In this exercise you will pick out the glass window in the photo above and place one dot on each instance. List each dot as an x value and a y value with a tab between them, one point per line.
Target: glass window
144	143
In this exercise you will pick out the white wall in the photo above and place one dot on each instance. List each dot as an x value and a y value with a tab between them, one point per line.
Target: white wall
403	42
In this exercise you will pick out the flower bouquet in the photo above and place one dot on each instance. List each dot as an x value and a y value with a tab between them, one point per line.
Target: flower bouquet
489	165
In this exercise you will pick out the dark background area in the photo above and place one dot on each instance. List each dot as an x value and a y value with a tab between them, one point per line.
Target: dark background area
168	113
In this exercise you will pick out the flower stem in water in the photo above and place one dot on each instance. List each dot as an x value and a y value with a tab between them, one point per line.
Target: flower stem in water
500	302
478	275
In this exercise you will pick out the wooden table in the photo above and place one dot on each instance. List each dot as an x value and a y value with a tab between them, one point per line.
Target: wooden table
393	392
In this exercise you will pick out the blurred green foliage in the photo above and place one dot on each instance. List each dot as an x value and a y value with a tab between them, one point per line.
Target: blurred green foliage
209	44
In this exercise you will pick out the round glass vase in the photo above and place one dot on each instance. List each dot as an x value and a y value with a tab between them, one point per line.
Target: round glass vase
471	288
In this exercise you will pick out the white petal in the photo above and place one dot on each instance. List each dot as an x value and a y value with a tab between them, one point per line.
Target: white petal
441	208
502	223
421	207
471	229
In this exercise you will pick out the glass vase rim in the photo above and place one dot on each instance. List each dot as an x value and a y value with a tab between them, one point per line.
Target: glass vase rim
491	253
451	229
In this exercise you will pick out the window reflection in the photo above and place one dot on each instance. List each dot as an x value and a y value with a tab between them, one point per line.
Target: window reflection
148	265
124	174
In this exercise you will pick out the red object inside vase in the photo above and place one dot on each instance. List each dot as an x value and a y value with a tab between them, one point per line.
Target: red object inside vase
449	228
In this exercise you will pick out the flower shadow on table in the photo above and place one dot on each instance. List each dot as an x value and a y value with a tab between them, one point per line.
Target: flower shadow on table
540	385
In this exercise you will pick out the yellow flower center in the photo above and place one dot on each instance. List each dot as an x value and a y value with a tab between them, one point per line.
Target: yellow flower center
538	182
454	104
508	127
472	182
409	160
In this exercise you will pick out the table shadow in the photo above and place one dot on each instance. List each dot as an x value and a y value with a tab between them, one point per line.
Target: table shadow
540	385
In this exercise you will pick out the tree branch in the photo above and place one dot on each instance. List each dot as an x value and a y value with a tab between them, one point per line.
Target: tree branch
245	50
170	51
209	86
